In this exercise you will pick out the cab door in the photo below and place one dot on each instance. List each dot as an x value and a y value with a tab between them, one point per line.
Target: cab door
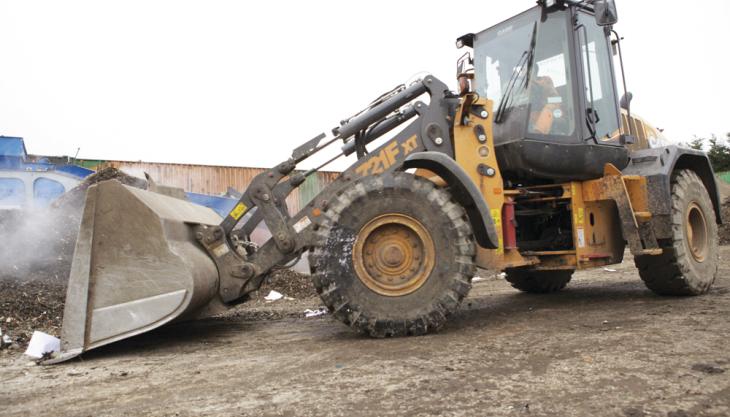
601	116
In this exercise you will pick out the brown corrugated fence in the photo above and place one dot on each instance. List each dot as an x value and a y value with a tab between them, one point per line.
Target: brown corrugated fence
215	180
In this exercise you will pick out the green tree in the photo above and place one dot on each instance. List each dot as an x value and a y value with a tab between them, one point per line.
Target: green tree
697	143
719	154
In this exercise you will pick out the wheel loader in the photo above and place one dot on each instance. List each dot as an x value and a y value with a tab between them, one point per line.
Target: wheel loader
533	167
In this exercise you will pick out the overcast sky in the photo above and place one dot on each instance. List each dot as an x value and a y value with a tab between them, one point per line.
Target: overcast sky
241	83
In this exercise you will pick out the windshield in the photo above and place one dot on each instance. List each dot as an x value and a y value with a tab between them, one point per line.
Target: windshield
523	65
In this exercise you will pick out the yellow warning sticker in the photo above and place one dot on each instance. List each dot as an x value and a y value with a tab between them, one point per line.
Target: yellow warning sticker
238	211
497	217
579	216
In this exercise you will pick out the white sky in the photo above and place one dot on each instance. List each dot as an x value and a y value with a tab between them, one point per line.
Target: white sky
242	83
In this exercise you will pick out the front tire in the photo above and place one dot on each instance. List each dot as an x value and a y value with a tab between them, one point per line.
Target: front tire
689	262
395	256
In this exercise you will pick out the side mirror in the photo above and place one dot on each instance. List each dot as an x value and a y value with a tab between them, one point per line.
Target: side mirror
606	14
626	100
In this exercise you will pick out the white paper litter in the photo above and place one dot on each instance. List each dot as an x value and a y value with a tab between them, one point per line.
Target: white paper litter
314	313
477	279
274	295
609	270
5	340
41	343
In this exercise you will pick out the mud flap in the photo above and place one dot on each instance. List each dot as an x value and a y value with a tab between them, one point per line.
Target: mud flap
136	266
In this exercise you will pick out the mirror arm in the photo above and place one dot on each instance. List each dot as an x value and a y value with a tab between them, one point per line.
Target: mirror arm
623	79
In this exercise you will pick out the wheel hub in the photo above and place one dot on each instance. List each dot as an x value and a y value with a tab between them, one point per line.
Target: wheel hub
393	255
697	234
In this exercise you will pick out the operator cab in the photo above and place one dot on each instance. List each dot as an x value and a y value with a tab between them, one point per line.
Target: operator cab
549	72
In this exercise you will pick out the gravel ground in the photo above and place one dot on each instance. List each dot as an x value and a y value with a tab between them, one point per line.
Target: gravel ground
605	346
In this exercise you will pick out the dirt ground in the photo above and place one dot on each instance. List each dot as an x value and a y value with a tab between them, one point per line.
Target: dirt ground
605	346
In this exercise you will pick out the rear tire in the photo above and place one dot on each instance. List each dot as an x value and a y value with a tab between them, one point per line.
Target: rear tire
688	265
371	266
538	282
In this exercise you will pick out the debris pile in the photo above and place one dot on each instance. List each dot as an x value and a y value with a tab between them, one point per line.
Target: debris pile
290	283
31	304
77	195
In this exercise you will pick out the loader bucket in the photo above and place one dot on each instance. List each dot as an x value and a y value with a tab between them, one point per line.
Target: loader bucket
136	267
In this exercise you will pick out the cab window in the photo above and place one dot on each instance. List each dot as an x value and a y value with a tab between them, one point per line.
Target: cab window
551	93
524	66
602	119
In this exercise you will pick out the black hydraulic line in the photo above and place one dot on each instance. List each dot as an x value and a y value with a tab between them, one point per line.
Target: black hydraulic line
297	158
385	126
380	111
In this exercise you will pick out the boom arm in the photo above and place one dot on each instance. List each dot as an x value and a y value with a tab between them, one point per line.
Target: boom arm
241	272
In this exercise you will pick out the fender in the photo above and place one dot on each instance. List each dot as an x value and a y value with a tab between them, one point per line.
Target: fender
464	191
657	165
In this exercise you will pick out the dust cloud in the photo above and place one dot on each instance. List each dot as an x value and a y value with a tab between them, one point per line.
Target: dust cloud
38	244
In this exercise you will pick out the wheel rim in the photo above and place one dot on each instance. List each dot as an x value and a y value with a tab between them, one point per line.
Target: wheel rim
697	234
393	255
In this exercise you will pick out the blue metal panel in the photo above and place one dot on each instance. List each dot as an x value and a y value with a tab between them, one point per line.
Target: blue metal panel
220	205
76	171
12	147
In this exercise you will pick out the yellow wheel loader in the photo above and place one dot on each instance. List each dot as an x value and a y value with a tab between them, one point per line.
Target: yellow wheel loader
526	169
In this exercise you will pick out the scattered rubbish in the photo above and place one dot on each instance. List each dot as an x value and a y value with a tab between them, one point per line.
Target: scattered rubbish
502	275
477	279
314	313
609	269
5	340
41	344
706	368
274	295
605	321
